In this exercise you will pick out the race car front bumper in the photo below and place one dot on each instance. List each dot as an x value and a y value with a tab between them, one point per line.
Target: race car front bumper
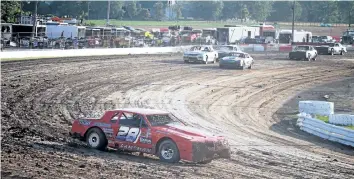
203	151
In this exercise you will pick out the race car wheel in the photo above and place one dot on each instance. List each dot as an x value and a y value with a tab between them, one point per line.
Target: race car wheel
168	152
341	52
214	60
96	139
332	52
250	67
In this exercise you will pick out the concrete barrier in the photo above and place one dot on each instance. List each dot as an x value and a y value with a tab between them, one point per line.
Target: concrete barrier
316	107
342	119
314	126
90	52
326	131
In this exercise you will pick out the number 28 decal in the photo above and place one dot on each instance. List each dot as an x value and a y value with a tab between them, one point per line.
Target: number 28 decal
128	134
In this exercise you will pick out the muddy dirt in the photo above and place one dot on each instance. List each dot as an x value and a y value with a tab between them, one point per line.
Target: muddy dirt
254	109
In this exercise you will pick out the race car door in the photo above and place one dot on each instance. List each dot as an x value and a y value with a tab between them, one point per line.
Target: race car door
133	133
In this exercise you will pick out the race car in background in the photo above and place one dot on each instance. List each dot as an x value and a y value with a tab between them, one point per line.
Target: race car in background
303	52
150	131
224	50
331	49
200	54
240	60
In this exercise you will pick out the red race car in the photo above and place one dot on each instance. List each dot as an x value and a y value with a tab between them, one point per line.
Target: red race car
150	131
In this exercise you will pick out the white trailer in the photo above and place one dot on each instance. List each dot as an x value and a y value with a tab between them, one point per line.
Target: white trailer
231	35
285	36
65	30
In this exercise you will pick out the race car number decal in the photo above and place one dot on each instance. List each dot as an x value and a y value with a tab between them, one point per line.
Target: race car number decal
128	134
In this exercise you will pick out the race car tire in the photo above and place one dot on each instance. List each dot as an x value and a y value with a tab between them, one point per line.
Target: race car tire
168	152
225	154
332	52
250	67
214	61
96	139
341	52
206	60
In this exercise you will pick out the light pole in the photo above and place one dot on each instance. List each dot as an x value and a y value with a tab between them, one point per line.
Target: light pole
293	24
34	28
108	12
88	10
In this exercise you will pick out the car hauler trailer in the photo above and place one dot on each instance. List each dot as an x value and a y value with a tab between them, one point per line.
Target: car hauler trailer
299	36
65	30
232	35
268	32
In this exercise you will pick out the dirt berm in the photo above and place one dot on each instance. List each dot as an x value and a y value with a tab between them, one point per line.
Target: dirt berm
255	109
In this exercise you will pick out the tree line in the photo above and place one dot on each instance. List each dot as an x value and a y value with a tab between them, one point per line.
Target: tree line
305	11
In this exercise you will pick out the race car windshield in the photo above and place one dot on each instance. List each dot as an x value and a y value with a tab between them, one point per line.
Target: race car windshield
237	55
160	119
331	45
225	48
302	48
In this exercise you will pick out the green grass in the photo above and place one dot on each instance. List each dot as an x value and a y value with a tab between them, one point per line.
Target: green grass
322	118
350	127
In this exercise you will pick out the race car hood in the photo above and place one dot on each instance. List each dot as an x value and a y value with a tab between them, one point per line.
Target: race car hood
185	131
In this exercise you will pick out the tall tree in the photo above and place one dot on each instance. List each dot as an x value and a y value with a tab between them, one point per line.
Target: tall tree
116	10
244	13
132	10
177	9
159	10
261	10
9	9
144	14
231	9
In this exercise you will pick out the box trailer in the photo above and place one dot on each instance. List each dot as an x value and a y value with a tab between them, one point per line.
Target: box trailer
232	35
285	36
64	30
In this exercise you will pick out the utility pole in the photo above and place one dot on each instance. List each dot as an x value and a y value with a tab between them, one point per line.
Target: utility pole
108	11
34	16
88	10
293	24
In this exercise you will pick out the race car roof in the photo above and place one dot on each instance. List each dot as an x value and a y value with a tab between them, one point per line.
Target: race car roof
143	111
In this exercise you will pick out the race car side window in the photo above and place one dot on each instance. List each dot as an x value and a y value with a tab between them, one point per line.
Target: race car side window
130	119
115	118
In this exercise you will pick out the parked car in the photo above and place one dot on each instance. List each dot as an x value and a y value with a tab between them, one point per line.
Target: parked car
303	52
202	54
224	50
240	60
332	49
150	131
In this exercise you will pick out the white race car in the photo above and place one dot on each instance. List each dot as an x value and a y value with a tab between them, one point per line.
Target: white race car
200	54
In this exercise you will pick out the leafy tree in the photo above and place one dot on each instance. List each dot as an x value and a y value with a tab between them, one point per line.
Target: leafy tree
132	10
144	14
244	14
9	9
231	9
261	10
217	7
116	10
177	8
159	10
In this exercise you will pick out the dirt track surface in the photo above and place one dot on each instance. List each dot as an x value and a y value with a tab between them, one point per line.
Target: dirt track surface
254	109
